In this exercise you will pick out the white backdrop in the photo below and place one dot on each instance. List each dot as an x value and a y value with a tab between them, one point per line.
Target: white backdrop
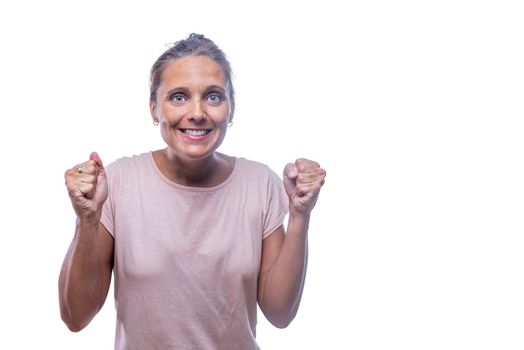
414	108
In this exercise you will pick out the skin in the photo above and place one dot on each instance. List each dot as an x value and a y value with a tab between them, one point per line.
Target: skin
192	96
86	271
284	256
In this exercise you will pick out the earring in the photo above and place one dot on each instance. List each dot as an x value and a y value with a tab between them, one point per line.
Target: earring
155	122
230	123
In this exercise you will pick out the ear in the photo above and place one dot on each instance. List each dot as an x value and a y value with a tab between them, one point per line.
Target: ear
152	109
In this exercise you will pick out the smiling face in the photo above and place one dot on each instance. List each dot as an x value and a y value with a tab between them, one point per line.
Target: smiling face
192	107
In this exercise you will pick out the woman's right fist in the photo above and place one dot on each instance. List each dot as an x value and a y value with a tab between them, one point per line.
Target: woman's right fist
87	187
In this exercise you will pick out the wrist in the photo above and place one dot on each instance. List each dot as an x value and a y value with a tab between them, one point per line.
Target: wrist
299	217
91	219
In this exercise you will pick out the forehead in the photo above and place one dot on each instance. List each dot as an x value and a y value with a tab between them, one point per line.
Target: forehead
191	71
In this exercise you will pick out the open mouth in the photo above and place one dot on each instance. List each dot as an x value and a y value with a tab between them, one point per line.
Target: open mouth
195	132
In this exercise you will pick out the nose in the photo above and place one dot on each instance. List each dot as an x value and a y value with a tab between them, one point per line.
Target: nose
197	112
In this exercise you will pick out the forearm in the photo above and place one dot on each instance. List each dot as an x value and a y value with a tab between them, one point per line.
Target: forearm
285	280
81	287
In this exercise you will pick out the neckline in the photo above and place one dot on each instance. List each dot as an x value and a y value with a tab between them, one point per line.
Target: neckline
173	184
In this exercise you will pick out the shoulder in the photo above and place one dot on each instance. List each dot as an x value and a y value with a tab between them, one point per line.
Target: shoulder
128	174
129	167
258	175
129	162
255	169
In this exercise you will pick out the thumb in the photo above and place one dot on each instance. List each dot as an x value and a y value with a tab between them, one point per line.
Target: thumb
101	187
290	178
94	156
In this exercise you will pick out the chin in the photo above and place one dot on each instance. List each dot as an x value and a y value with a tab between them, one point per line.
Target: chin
198	155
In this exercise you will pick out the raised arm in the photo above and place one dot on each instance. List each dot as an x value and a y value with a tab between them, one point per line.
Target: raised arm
86	271
284	256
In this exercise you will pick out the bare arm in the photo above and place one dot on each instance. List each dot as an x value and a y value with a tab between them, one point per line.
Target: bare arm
284	256
282	273
86	271
85	275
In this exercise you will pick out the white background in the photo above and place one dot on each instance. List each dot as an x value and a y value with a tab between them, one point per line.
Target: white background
414	108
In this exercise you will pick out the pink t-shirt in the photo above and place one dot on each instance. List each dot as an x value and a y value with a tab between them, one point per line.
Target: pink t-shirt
186	258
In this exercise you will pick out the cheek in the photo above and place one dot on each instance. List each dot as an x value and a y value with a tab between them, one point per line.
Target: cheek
164	130
170	117
223	116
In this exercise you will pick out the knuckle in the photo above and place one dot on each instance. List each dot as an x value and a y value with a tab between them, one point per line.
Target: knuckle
86	188
90	179
300	162
302	166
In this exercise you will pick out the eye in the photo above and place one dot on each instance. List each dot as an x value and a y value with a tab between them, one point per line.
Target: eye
214	98
177	98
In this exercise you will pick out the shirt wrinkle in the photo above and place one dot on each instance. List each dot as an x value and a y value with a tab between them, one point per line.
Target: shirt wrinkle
187	260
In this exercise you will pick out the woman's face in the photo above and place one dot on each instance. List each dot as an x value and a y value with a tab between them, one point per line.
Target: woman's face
192	107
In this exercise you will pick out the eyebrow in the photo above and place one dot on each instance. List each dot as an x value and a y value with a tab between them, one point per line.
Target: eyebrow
215	87
186	90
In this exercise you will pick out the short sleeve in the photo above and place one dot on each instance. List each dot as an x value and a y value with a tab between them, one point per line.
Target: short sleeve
108	210
276	204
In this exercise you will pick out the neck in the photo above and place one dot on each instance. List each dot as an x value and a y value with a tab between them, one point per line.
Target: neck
205	172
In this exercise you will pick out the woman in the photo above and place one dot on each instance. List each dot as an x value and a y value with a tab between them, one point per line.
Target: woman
195	237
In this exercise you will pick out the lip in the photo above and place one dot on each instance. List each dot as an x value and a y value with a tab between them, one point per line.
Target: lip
195	137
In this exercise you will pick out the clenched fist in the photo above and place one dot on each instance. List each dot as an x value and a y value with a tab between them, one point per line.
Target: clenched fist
302	181
87	187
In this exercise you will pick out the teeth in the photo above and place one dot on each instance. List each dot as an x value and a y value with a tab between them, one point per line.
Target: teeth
195	132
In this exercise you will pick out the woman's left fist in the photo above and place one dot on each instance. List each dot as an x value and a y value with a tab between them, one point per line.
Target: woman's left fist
302	181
